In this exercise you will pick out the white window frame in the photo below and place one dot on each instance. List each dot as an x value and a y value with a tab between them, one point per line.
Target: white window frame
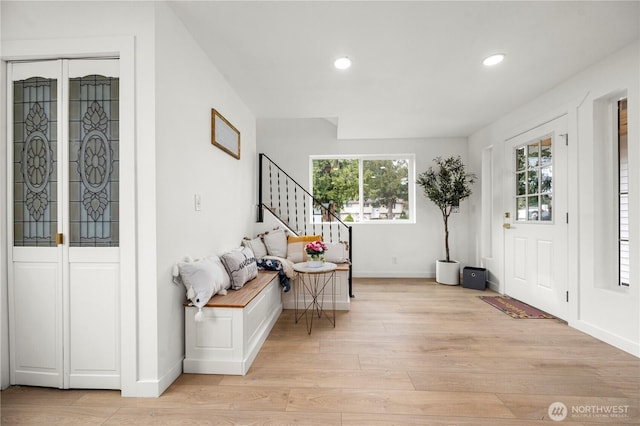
366	157
607	190
623	279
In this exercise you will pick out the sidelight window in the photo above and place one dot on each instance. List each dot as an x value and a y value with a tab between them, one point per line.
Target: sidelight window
623	195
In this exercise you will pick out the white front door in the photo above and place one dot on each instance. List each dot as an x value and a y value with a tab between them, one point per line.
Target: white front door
535	234
63	163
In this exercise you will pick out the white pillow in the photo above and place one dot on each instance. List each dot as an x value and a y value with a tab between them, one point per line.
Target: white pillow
336	252
202	278
223	276
241	266
256	245
276	242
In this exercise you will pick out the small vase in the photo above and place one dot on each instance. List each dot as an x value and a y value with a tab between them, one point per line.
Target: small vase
314	262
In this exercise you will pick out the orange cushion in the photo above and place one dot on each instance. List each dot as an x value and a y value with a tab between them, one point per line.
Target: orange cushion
295	246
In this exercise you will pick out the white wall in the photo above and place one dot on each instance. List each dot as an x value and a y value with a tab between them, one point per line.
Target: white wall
416	246
187	87
597	305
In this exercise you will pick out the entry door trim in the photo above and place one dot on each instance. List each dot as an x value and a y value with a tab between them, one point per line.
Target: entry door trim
522	132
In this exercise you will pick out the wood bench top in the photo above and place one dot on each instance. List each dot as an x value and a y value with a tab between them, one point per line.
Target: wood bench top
244	296
342	266
241	298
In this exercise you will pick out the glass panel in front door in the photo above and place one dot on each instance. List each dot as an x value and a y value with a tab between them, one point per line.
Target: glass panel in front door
534	181
35	189
94	161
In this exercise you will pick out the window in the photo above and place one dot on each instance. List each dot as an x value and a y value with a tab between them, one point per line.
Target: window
487	203
364	188
623	194
610	200
534	181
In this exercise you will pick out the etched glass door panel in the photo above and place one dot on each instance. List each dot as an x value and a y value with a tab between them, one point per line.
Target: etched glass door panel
35	218
93	161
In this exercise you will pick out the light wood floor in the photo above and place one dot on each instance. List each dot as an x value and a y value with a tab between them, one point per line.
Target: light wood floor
409	352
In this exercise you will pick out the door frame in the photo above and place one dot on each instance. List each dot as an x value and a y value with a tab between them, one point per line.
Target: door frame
124	49
570	109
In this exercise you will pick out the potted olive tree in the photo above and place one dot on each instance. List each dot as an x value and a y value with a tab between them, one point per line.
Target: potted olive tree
446	185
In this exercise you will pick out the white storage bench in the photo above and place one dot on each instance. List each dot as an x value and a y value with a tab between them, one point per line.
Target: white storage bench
233	327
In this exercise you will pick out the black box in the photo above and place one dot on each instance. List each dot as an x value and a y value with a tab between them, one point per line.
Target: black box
475	278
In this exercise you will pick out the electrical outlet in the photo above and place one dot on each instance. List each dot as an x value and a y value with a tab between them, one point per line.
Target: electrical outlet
394	260
197	204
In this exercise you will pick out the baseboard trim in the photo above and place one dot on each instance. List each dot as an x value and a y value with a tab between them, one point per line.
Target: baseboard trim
377	274
619	342
154	388
170	377
493	286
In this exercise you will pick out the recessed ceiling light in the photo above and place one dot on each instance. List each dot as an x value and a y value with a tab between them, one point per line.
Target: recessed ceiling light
493	60
342	63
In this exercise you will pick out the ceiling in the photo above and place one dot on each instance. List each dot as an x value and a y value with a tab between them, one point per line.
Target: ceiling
417	66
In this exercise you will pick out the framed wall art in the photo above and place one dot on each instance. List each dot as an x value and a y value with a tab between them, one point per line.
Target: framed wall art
224	135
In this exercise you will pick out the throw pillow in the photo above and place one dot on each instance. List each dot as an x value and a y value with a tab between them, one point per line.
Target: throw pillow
256	245
295	246
223	277
276	242
336	252
202	278
241	266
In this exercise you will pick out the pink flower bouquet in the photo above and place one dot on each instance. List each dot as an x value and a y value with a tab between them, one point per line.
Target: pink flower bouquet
315	249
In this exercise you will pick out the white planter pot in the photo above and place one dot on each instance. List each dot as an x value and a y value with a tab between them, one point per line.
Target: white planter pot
448	272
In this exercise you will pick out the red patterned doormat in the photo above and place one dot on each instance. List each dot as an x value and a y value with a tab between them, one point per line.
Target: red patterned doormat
515	308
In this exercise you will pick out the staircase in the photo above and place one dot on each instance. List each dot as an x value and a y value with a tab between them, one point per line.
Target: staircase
297	210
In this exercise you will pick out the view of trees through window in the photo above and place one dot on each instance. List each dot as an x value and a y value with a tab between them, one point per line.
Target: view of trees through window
534	181
362	189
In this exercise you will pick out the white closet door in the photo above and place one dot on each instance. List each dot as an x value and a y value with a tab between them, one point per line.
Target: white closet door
93	225
64	267
35	280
